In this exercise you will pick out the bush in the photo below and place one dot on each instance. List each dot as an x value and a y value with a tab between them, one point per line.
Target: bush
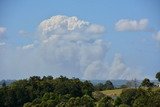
128	96
106	102
154	100
141	101
124	105
117	101
97	95
87	101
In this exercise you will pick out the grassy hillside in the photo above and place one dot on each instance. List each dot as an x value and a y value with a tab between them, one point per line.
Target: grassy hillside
115	92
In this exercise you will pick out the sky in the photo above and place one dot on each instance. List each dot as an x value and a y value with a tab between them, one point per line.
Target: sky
87	39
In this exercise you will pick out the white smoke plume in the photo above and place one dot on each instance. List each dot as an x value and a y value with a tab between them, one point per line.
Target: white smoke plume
64	46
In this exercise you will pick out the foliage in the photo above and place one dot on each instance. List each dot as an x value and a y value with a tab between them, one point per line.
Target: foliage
99	87
128	96
141	101
154	100
87	101
108	85
97	95
117	101
141	98
124	105
150	99
146	83
4	84
106	102
65	92
45	91
158	76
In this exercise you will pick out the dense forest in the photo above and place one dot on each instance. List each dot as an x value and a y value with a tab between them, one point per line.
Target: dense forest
65	92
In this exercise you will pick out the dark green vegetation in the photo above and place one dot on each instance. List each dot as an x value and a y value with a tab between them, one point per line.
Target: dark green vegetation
146	83
158	76
141	97
45	92
108	85
64	92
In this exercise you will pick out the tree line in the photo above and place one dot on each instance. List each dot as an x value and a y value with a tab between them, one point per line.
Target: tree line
64	92
36	89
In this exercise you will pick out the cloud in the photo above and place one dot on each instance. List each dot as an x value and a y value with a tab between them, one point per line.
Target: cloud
95	29
157	36
2	43
64	46
96	70
71	27
116	70
131	25
2	31
73	57
29	46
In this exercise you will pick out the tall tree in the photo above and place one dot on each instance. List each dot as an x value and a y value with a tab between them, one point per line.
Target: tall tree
4	84
146	83
108	85
99	87
158	76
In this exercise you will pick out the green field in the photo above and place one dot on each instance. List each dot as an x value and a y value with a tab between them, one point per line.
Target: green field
115	92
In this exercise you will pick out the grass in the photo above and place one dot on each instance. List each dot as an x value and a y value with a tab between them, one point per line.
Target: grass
115	92
155	88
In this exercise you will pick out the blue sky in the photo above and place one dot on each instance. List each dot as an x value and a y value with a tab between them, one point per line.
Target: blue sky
138	48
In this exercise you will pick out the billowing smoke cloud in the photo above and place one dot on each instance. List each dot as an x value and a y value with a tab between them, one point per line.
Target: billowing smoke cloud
131	25
71	44
116	70
64	46
69	28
